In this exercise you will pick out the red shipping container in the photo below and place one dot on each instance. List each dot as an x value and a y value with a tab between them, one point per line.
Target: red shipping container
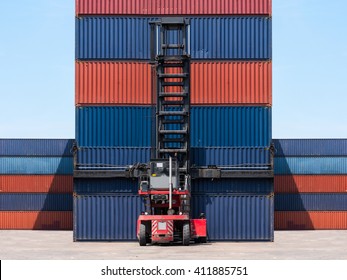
36	184
44	220
302	220
212	83
173	7
310	183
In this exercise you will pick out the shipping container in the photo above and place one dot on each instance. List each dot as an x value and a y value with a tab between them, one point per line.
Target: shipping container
36	184
229	186
113	126
172	7
198	186
100	217
105	186
246	217
113	217
212	83
36	165
37	220
310	165
228	157
308	220
310	183
310	147
236	158
108	126
110	157
230	126
236	38
36	147
35	202
311	202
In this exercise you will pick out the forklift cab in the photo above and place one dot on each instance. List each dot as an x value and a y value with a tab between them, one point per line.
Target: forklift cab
159	174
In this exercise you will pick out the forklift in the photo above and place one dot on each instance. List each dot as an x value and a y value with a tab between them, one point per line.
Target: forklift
165	182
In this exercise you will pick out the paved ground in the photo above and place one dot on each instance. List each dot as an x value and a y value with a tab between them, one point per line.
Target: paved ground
292	245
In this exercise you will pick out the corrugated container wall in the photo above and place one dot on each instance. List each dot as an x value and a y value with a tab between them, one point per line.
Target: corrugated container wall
310	147
36	184
223	126
236	217
311	202
37	220
36	147
36	165
212	83
198	186
310	165
35	202
310	183
308	220
172	7
231	157
230	217
236	38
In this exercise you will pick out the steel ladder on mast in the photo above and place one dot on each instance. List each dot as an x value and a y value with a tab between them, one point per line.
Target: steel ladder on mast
170	51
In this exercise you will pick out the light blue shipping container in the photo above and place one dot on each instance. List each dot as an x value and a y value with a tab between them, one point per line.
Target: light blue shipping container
127	38
310	165
36	165
218	126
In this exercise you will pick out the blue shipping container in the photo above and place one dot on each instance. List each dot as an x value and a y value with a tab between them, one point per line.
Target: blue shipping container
310	147
239	38
311	202
310	165
236	217
35	202
198	186
228	157
232	157
36	147
216	126
105	185
225	186
110	157
36	165
99	217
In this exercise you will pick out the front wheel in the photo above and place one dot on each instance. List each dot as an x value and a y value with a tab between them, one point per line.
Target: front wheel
186	234
142	235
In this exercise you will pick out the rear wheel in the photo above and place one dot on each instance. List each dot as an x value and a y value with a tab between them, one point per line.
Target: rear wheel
186	234
142	235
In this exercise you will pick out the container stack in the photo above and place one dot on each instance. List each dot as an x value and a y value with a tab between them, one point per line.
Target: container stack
310	184
36	184
231	96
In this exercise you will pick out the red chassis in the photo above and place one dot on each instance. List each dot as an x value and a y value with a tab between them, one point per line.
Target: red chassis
169	228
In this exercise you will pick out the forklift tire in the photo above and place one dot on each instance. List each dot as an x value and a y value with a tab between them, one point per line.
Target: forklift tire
186	234
142	235
202	239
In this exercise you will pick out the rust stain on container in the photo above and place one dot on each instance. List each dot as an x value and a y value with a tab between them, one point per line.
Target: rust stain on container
310	183
36	184
44	220
214	83
302	220
172	7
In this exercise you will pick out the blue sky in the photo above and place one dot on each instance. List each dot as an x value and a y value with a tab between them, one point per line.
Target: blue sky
309	69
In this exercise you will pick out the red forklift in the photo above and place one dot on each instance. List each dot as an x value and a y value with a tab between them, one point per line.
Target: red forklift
164	183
